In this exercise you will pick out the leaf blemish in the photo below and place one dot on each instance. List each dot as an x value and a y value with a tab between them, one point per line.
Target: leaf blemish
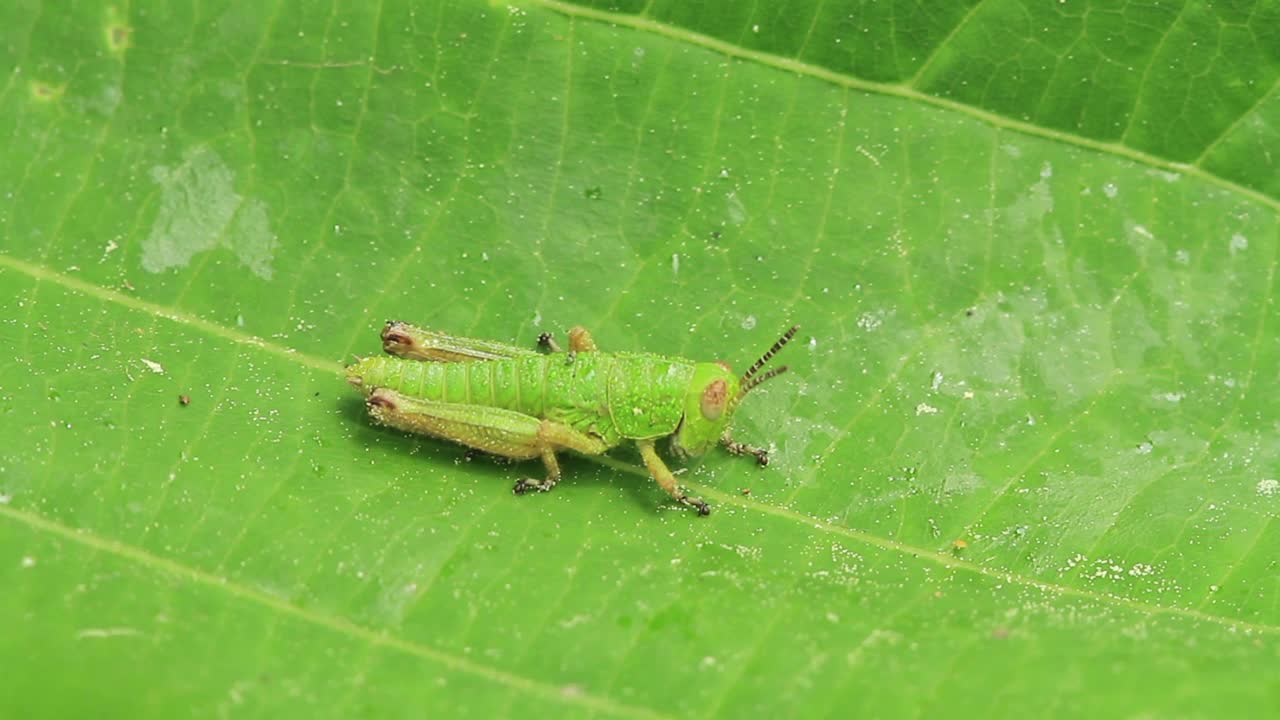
200	210
44	92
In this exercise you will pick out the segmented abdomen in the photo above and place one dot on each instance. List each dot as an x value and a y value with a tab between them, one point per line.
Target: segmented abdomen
546	386
608	395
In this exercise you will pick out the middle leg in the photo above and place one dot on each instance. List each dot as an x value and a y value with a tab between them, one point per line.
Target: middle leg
666	479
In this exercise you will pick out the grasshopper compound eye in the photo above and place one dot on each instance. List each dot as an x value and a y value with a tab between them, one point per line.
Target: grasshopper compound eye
714	399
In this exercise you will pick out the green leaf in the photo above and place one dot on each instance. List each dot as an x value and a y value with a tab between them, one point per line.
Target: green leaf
1025	462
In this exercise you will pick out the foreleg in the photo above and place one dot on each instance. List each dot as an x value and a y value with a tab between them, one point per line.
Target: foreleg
736	448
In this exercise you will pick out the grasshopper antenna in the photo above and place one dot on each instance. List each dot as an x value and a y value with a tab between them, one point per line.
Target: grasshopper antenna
755	382
749	378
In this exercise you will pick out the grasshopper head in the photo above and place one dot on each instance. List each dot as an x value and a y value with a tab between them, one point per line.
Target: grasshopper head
707	410
714	395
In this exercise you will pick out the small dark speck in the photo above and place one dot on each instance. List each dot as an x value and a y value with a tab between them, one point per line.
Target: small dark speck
594	193
746	491
184	400
968	313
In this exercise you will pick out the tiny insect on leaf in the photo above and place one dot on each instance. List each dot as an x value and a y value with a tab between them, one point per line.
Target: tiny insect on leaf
523	404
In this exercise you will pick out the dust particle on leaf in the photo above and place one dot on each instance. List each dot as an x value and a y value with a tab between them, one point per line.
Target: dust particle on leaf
44	92
118	37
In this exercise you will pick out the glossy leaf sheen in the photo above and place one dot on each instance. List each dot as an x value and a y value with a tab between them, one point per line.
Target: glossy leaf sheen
1025	462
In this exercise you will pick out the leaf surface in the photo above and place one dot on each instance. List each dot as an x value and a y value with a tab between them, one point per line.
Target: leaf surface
1024	463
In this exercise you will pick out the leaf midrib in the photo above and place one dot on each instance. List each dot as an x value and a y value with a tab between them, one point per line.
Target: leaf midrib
907	92
331	622
940	558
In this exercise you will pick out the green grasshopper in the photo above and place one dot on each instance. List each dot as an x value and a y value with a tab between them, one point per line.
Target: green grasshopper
522	404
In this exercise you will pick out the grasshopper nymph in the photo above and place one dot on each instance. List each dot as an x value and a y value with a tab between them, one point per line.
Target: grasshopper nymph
523	404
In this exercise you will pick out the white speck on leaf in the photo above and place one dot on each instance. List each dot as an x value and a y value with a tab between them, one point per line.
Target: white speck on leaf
737	211
961	483
870	321
1029	209
153	366
926	409
1110	190
1268	487
575	620
1239	243
28	562
749	322
675	263
108	632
